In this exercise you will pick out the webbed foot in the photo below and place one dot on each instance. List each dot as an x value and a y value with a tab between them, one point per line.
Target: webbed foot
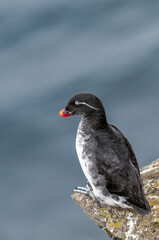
85	190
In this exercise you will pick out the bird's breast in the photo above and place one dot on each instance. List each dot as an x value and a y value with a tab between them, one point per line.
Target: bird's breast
85	154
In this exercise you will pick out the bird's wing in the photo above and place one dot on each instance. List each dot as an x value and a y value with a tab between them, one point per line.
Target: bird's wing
121	179
121	172
132	154
109	165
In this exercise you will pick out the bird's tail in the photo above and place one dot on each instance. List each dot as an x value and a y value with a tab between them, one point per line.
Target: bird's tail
140	210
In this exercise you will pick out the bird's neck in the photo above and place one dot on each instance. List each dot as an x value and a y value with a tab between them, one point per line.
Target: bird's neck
95	122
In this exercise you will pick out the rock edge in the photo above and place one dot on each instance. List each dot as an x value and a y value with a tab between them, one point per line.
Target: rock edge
127	224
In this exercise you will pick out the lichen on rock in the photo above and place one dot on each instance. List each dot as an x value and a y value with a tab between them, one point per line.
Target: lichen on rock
127	224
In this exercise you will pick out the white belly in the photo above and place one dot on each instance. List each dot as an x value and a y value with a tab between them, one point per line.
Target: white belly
84	160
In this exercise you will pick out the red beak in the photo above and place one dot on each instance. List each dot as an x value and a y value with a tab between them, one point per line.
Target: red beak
64	113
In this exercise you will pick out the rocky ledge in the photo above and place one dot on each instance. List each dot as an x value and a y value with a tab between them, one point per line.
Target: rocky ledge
122	224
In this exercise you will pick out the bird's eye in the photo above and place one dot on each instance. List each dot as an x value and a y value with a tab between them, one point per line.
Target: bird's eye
76	103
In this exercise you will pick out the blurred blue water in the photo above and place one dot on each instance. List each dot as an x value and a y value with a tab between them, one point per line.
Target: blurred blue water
49	51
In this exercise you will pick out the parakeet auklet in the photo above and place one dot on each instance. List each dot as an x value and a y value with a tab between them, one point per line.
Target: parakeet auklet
106	157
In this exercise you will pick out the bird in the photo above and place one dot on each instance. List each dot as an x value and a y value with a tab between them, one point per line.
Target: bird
106	157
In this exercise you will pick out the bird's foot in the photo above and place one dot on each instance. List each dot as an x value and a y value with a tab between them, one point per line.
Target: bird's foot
85	190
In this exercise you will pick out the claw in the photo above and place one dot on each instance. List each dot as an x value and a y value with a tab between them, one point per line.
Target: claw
85	190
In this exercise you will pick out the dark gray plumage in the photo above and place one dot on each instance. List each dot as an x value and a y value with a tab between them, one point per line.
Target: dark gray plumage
106	156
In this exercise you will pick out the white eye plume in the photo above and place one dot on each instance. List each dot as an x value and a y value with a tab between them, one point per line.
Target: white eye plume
83	103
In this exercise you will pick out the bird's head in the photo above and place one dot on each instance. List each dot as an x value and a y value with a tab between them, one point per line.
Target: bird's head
84	104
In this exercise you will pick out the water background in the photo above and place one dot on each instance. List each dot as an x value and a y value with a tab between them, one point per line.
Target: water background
50	50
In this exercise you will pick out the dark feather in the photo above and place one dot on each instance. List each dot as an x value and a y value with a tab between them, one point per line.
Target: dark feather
116	160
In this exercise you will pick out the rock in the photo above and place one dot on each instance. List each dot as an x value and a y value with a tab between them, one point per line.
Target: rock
127	224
